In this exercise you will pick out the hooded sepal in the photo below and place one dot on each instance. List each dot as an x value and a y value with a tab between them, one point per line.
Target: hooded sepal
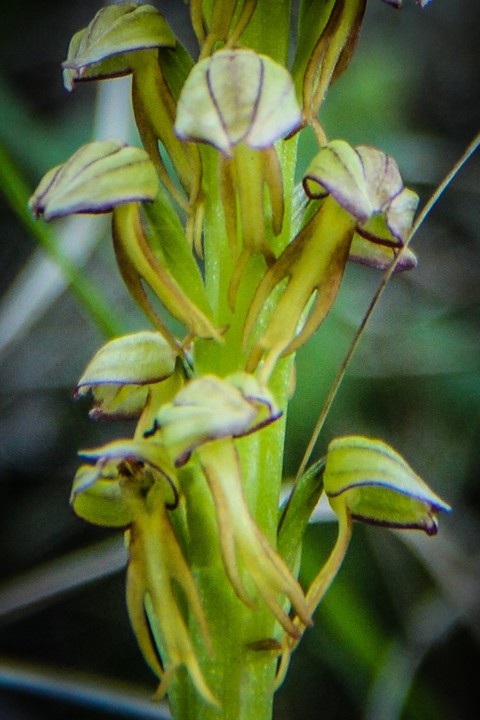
103	48
97	178
367	183
209	408
237	96
122	372
377	486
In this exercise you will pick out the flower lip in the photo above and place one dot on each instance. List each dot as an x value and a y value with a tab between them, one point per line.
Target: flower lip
141	358
137	451
185	456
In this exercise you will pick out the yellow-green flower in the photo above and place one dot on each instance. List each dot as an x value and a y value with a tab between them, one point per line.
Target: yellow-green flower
133	485
377	486
237	96
109	176
361	195
123	373
205	417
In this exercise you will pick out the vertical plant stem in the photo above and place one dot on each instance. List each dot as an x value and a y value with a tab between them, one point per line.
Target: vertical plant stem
241	678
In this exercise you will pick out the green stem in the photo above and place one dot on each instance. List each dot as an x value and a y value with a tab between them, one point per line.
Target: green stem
241	678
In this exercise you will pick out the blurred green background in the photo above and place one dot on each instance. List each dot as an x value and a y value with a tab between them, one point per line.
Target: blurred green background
398	635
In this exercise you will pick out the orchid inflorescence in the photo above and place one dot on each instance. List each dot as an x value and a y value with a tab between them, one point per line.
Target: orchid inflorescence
208	229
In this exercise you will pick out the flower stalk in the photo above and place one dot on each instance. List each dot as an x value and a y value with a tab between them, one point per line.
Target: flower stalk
215	243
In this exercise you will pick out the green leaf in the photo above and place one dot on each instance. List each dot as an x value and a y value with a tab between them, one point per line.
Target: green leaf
296	513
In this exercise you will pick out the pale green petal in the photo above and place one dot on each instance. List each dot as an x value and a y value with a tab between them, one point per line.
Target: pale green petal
98	177
378	486
103	48
210	408
237	96
136	359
